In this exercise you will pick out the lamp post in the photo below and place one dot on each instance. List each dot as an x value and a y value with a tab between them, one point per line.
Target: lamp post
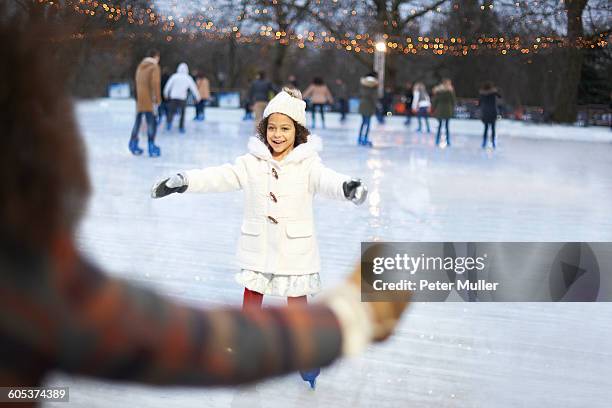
379	63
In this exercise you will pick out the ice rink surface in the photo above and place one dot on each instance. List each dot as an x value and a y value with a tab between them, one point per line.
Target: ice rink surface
540	185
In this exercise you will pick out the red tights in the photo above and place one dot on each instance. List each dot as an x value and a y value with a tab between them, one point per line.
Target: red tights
254	299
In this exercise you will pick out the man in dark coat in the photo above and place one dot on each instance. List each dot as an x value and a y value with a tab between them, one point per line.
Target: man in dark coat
259	95
488	110
162	109
408	95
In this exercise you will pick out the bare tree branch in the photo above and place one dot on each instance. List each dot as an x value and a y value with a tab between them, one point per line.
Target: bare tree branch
422	12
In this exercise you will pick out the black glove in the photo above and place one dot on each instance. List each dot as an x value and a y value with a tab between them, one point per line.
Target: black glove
355	191
175	184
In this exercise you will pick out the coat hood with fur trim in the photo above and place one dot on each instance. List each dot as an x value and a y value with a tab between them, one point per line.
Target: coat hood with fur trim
488	91
149	60
442	87
309	149
369	81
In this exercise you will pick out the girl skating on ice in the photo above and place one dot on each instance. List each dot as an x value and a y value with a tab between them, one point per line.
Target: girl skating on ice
277	251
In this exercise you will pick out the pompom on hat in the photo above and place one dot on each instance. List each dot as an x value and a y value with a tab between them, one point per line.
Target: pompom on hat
288	102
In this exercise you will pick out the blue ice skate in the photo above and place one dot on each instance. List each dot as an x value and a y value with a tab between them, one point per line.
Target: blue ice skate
136	151
311	376
154	150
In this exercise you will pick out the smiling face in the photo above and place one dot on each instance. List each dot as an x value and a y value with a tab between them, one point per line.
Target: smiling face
280	135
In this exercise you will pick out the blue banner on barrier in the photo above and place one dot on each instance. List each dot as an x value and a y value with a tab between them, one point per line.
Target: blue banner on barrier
229	99
119	90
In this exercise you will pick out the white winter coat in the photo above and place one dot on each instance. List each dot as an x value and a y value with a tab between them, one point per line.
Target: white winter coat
276	237
420	100
179	83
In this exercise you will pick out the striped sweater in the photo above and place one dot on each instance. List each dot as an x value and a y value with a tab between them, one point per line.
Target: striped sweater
60	312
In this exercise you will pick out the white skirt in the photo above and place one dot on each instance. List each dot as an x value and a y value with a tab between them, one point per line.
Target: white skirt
279	285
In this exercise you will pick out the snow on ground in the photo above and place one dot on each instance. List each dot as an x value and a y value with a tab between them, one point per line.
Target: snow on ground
540	185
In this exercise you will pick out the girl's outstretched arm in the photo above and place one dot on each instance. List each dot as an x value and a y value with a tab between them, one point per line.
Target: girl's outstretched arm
218	179
326	181
227	177
334	185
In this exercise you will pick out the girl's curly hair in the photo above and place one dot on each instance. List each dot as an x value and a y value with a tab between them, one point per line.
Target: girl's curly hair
301	133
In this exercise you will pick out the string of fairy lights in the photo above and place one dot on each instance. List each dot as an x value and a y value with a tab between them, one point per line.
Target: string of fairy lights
195	27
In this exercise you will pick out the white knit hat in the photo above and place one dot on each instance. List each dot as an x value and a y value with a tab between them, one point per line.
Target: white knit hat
288	102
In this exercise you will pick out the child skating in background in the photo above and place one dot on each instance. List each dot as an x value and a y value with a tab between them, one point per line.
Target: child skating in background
277	251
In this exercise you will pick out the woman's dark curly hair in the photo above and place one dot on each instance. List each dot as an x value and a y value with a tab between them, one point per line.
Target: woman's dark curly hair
301	133
45	183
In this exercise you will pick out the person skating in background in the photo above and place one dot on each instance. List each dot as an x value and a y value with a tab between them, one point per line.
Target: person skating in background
319	95
204	89
368	95
60	312
292	82
278	252
487	102
408	96
387	101
162	109
443	107
259	95
176	91
342	98
421	105
385	105
246	105
610	113
147	96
